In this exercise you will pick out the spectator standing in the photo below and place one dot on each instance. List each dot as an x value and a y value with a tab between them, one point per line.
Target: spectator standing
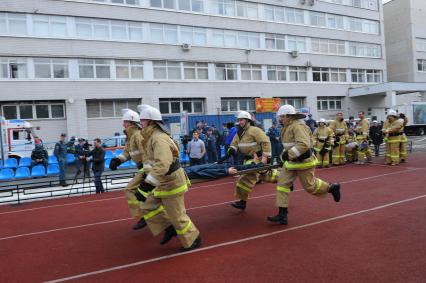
79	154
376	136
60	152
97	157
211	146
39	155
196	150
311	123
274	136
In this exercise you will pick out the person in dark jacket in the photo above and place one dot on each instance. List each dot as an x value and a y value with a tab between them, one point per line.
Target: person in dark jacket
274	135
311	123
60	152
39	156
211	146
97	157
376	136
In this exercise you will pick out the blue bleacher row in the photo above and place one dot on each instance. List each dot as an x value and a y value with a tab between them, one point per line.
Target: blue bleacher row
12	170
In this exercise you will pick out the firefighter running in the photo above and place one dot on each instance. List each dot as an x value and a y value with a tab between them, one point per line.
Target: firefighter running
340	129
132	150
164	184
298	162
253	143
323	141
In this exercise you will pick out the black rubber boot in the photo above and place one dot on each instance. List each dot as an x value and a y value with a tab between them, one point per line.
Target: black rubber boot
281	217
334	189
141	223
169	233
195	244
241	204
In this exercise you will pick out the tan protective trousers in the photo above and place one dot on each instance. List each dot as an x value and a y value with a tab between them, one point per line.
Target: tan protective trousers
351	155
403	148
245	185
392	150
362	153
132	201
323	159
338	155
160	213
310	183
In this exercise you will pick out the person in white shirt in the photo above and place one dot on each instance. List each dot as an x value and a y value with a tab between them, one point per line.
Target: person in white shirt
196	150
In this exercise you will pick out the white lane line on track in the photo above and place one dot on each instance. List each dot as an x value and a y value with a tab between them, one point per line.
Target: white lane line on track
99	200
229	243
192	208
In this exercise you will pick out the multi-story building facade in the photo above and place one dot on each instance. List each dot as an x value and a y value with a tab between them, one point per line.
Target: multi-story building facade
72	65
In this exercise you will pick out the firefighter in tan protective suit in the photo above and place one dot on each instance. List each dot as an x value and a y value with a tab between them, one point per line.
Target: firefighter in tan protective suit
404	140
323	141
253	144
132	150
340	129
298	162
393	133
164	184
362	130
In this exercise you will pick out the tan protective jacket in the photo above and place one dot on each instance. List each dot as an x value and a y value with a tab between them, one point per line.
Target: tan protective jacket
340	130
253	140
297	137
159	152
363	128
133	148
322	134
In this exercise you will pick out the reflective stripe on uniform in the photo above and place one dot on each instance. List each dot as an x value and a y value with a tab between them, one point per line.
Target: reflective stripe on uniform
318	184
247	144
393	141
122	157
132	153
145	194
274	173
147	166
153	213
185	229
283	189
288	144
142	170
175	191
152	180
243	187
300	166
133	202
295	151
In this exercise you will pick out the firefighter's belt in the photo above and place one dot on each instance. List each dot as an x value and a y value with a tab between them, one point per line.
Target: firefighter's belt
173	167
394	134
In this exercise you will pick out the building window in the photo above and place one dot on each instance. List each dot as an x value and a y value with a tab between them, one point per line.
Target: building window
327	46
366	76
163	33
129	69
13	23
274	13
191	5
296	43
34	110
237	104
251	72
164	70
358	75
421	65
248	40
247	10
421	44
294	16
298	73
94	68
335	21
11	68
329	103
277	73
128	2
110	108
195	71
296	102
193	35
318	19
48	68
328	75
226	72
338	75
166	4
274	41
49	26
223	7
176	106
364	49
374	76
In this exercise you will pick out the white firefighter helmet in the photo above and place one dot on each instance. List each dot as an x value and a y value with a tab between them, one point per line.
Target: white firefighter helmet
243	115
288	109
392	112
130	115
148	112
322	120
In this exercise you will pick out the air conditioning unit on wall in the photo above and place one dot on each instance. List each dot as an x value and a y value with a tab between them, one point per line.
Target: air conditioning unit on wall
186	46
294	53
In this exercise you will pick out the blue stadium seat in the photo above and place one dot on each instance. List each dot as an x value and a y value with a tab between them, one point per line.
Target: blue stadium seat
1	164
52	169
52	160
38	171
118	151
6	174
25	162
124	165
70	158
133	164
107	162
22	172
11	163
109	154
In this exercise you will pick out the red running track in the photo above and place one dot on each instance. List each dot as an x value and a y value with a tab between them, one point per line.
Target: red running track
375	234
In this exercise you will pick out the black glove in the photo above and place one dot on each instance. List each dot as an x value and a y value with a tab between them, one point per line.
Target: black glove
115	162
139	196
337	139
284	156
146	187
323	151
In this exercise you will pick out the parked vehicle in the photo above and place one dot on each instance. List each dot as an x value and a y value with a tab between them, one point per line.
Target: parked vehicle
416	114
